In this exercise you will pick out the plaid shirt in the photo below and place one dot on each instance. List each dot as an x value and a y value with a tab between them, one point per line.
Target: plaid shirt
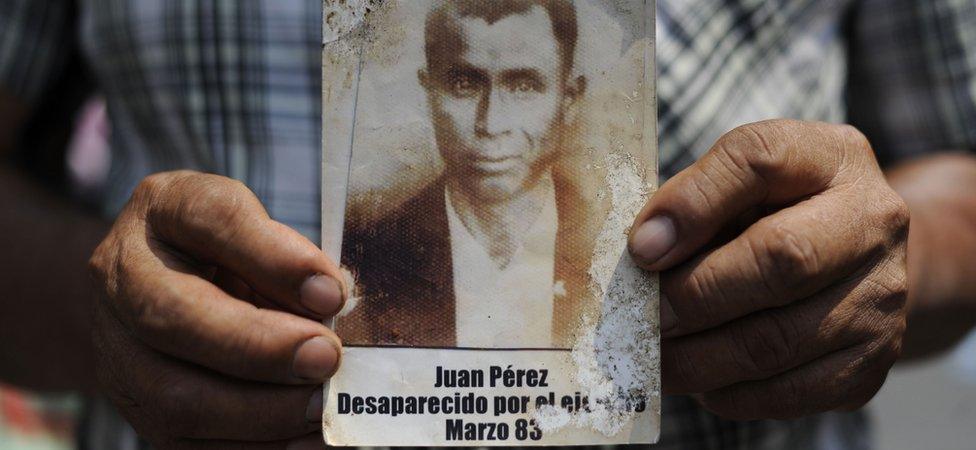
233	87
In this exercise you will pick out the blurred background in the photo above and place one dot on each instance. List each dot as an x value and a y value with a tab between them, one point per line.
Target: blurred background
930	404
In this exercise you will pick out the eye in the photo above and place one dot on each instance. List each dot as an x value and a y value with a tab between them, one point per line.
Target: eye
464	85
524	87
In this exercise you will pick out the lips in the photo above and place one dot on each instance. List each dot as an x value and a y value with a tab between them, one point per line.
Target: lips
494	165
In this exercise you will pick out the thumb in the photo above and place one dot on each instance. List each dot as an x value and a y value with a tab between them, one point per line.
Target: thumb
770	164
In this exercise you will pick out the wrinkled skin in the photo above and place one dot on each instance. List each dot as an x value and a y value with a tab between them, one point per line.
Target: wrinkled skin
783	259
209	333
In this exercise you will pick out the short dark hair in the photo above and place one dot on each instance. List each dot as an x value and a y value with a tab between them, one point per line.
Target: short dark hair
562	14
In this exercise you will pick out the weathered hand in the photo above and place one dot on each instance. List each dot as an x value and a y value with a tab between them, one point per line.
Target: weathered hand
783	259
209	335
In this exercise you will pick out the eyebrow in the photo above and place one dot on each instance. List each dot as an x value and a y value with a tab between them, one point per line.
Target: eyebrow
514	74
507	75
461	69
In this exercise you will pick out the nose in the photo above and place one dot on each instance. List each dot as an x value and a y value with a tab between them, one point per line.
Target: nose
493	117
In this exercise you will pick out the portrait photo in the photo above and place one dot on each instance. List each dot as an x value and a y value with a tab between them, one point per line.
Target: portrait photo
484	148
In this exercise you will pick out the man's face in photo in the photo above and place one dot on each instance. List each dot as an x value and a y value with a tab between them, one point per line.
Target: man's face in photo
498	96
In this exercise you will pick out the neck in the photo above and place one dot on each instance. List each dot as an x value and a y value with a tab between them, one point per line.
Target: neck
500	226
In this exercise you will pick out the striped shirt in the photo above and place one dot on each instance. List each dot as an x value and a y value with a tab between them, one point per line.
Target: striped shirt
233	87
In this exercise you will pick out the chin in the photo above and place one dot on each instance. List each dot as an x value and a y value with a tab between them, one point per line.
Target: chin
495	189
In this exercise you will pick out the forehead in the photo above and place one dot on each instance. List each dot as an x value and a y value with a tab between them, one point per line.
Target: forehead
516	41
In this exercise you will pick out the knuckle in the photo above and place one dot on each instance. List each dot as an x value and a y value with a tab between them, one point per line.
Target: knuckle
153	183
107	267
211	207
855	139
108	259
702	190
849	146
896	341
155	186
209	195
98	263
700	293
886	294
786	259
767	344
752	142
895	215
729	168
895	297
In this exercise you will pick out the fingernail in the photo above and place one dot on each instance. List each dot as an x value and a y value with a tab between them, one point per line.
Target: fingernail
313	413
311	442
315	359
668	318
322	294
654	238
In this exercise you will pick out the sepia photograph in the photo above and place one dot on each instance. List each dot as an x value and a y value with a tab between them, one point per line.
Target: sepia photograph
472	215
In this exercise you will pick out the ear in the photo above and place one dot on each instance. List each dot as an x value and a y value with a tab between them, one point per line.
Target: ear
574	89
572	93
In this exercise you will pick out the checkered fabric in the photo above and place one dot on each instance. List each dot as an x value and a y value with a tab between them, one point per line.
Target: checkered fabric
233	87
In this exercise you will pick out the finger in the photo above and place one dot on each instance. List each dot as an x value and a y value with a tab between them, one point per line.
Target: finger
765	164
782	258
170	308
774	341
845	379
220	221
165	398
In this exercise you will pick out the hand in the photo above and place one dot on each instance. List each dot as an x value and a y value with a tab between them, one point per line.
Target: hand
784	283
209	335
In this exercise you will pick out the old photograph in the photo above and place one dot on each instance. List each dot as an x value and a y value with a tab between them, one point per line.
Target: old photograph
477	186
